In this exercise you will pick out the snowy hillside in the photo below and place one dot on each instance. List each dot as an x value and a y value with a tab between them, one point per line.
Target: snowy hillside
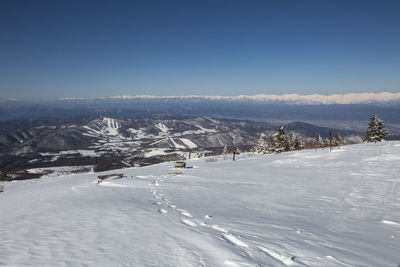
114	143
306	208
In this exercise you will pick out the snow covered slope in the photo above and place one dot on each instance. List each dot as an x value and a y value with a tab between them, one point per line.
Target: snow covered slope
306	208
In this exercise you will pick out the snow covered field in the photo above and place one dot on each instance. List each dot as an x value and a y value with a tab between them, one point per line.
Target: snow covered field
305	208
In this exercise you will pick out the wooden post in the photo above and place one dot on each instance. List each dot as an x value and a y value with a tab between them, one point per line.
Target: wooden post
234	152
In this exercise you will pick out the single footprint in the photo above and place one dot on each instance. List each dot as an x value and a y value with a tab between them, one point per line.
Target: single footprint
218	228
188	222
234	240
163	211
185	213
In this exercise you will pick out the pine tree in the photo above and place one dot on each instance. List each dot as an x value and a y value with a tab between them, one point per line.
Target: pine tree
326	142
271	144
318	143
282	143
291	142
376	131
5	177
260	146
337	139
298	143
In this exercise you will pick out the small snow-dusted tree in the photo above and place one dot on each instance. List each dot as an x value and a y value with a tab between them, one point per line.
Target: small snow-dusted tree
224	152
260	146
282	143
298	143
337	139
291	140
5	177
376	131
318	143
295	142
326	142
271	144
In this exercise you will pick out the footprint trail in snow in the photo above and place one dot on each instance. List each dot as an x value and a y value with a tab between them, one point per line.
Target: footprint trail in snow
215	230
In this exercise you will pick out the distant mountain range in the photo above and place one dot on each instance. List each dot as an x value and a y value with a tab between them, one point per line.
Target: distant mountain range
110	133
355	98
318	109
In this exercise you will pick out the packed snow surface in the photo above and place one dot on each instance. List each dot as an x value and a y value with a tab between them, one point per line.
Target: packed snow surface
305	208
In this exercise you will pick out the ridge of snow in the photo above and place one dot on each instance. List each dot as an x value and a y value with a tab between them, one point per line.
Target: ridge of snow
391	223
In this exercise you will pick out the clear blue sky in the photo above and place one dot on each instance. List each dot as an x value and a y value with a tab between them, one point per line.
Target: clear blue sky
51	49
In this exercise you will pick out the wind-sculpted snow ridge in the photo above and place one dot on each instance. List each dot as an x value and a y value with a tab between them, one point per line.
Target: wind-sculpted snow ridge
354	98
304	208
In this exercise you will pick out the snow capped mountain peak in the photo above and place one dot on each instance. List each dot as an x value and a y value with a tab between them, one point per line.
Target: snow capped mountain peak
351	98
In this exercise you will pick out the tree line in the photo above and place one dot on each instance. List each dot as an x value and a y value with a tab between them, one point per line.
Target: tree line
281	142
